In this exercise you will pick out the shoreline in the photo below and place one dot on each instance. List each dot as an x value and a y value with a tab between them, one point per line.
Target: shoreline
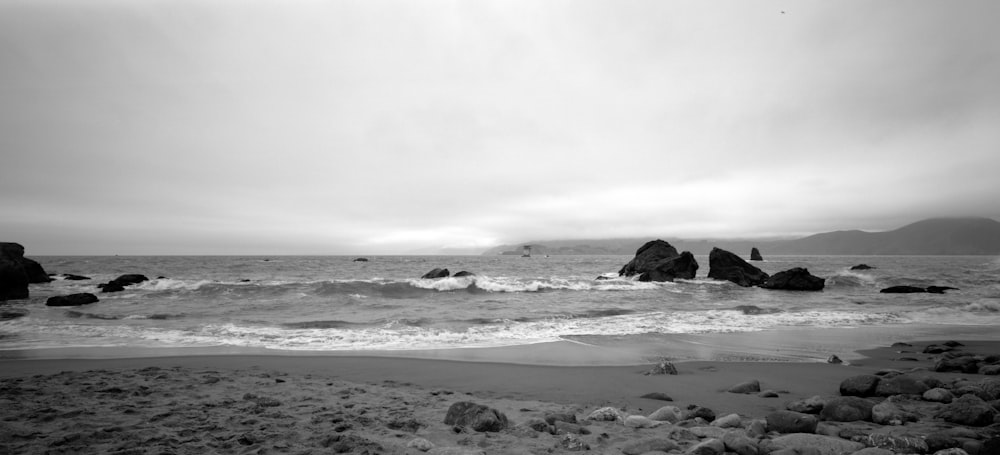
238	403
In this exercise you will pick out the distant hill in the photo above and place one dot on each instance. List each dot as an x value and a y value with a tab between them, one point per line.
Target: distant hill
937	236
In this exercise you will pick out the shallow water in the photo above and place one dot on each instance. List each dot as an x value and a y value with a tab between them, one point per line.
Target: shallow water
331	303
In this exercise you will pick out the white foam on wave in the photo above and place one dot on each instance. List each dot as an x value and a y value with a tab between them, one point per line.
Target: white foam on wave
507	284
169	284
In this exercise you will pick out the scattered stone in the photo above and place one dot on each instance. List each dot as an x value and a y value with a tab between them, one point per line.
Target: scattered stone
538	424
739	443
812	405
561	427
757	428
900	385
752	386
606	414
572	443
707	447
938	395
664	367
727	421
638	421
695	411
968	410
888	412
476	416
420	444
651	444
83	298
795	279
553	417
894	443
847	409
859	386
964	364
791	422
824	445
436	273
666	414
723	265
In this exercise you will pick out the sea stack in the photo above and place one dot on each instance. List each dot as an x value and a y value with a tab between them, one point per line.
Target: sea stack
755	254
658	260
17	272
723	265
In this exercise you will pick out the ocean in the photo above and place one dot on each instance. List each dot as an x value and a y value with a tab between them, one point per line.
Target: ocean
313	304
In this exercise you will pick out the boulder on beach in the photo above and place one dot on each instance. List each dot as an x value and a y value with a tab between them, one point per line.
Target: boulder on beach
847	409
795	279
475	416
83	298
17	272
683	267
791	422
648	256
118	284
436	273
755	254
968	410
723	265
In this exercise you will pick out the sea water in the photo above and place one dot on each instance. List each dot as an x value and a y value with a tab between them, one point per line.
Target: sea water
334	303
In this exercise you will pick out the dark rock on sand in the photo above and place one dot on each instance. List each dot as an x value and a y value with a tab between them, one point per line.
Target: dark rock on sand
791	422
862	267
795	279
968	410
755	254
965	364
746	387
648	256
723	265
891	412
660	396
663	367
17	272
695	411
437	273
859	386
847	409
683	267
118	284
812	405
83	298
475	416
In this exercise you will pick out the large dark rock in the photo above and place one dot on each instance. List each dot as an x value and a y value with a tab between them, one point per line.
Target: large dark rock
847	409
72	299
437	273
683	267
791	422
796	279
755	254
862	267
859	386
648	256
968	410
118	284
965	364
723	265
17	272
900	385
475	416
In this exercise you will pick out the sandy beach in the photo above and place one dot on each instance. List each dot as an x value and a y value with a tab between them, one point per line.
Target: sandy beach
384	404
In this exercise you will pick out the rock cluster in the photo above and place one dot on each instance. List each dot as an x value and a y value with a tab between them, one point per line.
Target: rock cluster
119	284
657	260
17	272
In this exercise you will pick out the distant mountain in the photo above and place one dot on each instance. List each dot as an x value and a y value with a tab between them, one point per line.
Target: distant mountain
937	236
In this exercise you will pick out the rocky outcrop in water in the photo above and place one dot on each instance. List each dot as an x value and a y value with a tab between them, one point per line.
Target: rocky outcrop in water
723	265
683	267
916	289
755	254
17	272
657	260
119	284
795	279
436	273
84	298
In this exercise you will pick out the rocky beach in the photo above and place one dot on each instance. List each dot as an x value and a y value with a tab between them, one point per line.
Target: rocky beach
908	398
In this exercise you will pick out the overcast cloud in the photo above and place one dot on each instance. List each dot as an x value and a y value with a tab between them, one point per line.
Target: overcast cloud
366	127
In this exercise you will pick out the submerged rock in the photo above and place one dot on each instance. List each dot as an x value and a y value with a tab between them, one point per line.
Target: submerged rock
723	265
83	298
436	273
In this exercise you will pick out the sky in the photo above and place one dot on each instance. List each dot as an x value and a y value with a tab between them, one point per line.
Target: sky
400	126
